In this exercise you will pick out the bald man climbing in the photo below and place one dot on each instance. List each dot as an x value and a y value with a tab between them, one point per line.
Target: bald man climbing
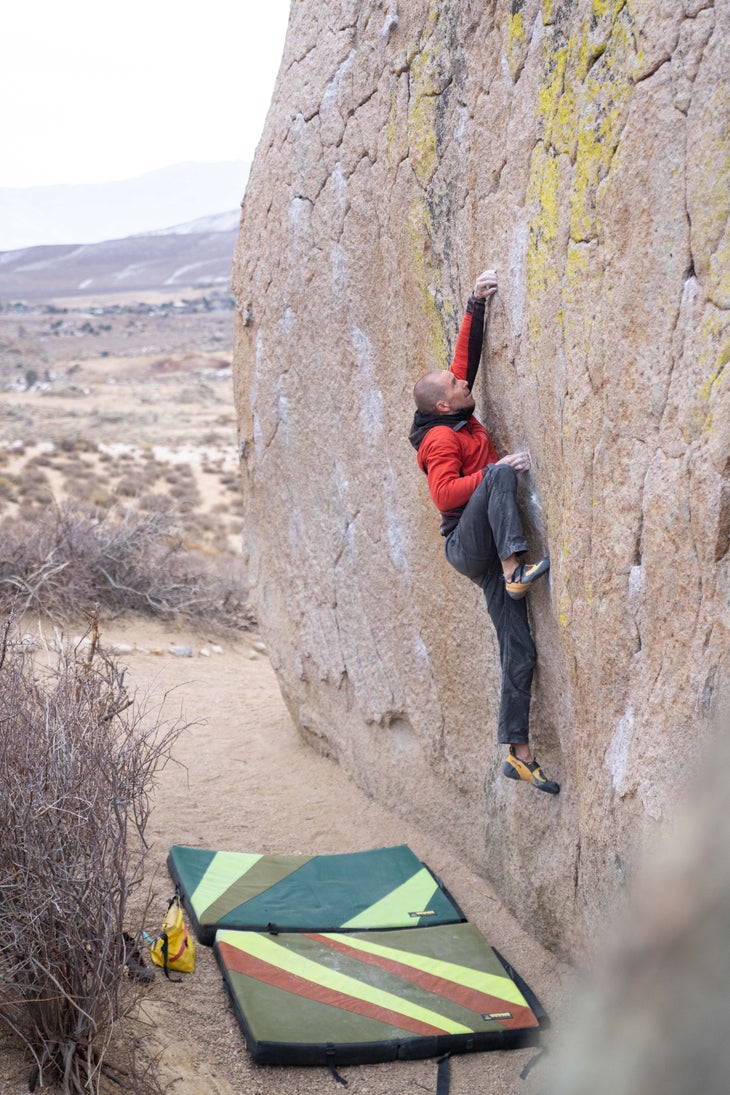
475	493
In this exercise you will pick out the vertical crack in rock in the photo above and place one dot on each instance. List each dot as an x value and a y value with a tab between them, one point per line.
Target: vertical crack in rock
576	868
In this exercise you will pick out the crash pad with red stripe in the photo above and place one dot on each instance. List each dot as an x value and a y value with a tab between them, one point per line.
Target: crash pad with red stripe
310	998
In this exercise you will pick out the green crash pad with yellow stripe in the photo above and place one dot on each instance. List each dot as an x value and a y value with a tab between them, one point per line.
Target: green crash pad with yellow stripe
359	997
381	888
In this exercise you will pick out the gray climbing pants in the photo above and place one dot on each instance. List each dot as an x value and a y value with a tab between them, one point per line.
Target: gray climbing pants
489	531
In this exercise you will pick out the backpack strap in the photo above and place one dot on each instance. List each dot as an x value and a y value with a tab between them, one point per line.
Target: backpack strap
165	957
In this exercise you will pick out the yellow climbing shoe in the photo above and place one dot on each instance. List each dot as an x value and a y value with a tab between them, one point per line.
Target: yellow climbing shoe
514	768
524	575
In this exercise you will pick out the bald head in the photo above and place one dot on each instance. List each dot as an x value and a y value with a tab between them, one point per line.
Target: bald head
441	392
429	391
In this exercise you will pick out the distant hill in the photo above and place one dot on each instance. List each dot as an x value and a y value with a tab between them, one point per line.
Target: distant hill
40	215
217	222
190	255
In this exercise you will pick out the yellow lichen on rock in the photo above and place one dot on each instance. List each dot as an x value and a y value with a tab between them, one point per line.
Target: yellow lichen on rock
426	275
542	203
606	95
425	88
515	42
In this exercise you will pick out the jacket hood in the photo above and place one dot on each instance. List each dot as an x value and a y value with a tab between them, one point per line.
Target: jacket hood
422	423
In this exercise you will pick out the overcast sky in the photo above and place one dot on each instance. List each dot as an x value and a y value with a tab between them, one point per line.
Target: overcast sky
95	92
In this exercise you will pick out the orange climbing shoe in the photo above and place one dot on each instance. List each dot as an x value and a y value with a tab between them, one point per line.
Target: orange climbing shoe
514	768
524	575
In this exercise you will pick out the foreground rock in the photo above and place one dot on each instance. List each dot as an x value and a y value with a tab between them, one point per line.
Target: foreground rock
582	149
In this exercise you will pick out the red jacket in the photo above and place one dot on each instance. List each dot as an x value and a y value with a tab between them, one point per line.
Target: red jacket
454	454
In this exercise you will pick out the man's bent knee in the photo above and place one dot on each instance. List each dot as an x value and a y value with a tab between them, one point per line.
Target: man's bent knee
505	476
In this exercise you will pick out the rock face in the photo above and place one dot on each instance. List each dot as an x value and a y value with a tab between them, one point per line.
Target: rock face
626	1033
583	149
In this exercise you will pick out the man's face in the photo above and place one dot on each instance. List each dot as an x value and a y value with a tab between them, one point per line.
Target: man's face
456	395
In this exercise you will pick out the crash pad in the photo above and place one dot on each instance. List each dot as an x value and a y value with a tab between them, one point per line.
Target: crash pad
311	998
380	888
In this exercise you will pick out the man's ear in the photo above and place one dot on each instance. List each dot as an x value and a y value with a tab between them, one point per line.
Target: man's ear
442	407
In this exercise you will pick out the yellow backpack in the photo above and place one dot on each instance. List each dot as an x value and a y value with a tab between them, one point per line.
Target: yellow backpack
174	948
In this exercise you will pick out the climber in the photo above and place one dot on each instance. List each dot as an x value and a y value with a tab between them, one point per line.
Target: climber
475	493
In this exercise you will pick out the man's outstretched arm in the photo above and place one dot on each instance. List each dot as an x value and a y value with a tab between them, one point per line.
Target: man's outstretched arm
471	333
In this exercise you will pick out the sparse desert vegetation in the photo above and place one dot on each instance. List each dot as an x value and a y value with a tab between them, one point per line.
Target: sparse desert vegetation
118	479
118	500
66	561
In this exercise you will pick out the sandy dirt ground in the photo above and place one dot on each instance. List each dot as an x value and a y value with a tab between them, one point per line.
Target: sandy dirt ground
245	781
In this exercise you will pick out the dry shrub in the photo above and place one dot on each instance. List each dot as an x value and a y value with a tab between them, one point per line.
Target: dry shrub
33	474
179	475
75	444
26	511
100	498
150	500
81	491
78	759
9	488
35	494
184	471
42	460
187	503
82	469
68	467
208	522
149	472
66	560
129	486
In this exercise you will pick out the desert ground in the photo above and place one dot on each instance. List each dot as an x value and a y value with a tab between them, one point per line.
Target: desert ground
122	401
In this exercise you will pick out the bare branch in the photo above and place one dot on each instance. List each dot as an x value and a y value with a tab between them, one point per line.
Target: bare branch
72	561
78	762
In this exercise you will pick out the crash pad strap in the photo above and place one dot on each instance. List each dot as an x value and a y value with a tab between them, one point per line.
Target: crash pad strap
443	1075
